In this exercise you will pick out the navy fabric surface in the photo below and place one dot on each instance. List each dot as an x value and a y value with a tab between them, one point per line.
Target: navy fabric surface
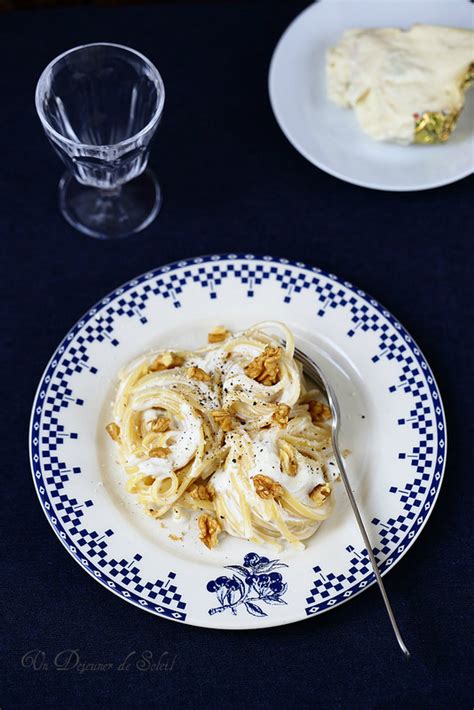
231	183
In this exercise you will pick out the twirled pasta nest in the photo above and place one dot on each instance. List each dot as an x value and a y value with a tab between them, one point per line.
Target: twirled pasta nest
229	431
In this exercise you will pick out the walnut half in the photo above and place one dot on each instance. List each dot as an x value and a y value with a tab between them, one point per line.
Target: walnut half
280	415
159	452
319	493
201	492
266	488
223	418
161	424
196	373
113	430
319	411
218	334
166	361
265	368
209	530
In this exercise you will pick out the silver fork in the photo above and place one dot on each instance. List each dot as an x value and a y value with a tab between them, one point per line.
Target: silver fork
317	376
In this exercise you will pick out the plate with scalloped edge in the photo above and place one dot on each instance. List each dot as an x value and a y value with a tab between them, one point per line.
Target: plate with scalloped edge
328	135
392	423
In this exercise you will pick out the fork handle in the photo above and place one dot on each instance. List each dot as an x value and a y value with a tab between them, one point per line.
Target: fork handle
368	545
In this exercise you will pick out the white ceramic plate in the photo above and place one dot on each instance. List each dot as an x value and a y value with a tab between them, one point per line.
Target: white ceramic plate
328	135
393	424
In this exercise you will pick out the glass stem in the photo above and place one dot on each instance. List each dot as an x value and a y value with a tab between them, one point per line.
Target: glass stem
111	192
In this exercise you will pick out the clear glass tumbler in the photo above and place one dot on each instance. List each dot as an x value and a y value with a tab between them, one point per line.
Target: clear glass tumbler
100	105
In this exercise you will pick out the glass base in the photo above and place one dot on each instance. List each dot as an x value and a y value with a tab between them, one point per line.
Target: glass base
110	214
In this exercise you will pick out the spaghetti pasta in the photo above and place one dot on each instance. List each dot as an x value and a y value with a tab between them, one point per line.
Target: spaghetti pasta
229	431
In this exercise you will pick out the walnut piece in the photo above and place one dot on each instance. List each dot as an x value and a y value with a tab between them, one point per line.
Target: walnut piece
196	373
217	334
113	430
166	361
224	419
267	488
201	492
161	424
209	529
288	462
265	368
159	452
319	493
280	415
319	411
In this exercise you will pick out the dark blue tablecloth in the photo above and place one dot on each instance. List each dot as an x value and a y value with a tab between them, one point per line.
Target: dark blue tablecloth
231	182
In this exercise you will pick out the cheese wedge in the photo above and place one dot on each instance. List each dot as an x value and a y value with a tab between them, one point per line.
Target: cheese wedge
405	86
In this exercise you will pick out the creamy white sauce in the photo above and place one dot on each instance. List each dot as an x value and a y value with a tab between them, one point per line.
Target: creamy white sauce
267	463
388	75
183	440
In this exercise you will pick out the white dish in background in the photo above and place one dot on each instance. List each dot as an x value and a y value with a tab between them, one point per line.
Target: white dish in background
392	423
329	136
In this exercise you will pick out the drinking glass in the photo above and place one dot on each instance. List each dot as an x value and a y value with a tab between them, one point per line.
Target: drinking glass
100	105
